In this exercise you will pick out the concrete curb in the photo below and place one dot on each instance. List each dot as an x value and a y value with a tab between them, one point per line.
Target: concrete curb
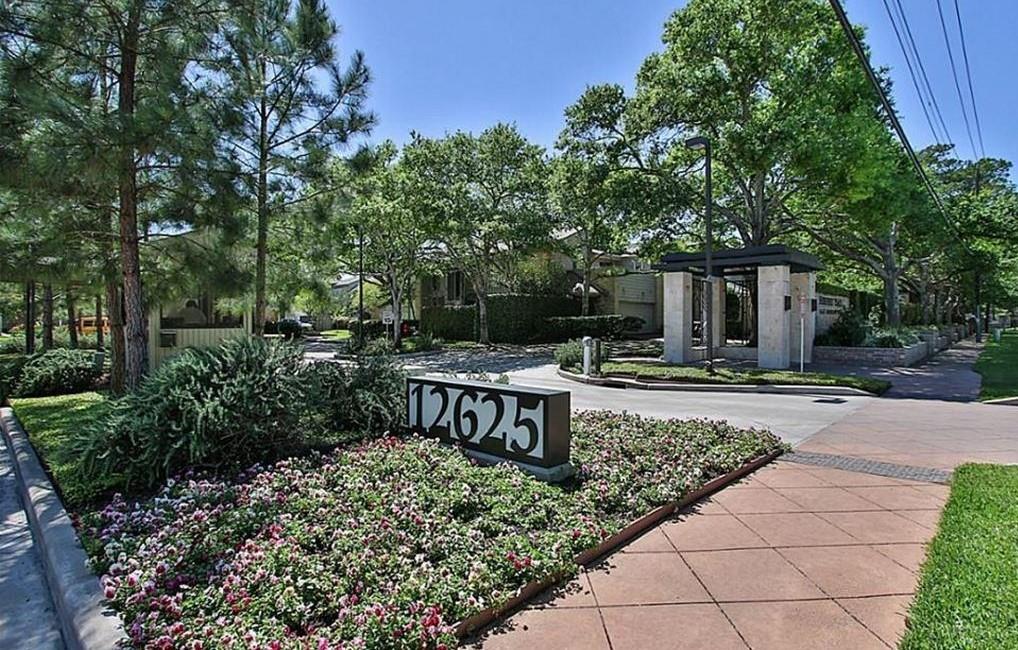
86	623
591	556
773	389
1002	401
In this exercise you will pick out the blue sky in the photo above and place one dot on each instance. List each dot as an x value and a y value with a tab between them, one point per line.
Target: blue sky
442	65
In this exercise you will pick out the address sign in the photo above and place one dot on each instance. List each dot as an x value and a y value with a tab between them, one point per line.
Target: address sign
520	423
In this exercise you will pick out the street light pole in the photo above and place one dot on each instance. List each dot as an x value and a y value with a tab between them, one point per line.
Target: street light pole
704	143
360	286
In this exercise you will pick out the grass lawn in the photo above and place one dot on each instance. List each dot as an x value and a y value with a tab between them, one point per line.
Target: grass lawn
968	592
695	375
51	423
998	364
337	335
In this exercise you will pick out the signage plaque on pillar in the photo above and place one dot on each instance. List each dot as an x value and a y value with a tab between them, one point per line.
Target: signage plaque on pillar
494	423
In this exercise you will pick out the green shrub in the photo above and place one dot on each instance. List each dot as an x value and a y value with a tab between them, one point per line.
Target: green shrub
57	372
516	318
289	329
893	338
10	372
452	323
356	401
569	354
850	330
611	326
216	407
373	329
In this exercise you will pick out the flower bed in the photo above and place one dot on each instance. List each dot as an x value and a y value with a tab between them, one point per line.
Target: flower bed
384	544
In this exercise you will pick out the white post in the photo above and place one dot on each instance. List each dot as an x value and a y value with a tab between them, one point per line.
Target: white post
587	345
802	341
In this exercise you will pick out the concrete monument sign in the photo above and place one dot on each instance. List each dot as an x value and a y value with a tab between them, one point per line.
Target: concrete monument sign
495	422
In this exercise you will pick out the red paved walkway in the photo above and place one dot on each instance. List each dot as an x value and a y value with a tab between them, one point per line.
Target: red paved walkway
796	556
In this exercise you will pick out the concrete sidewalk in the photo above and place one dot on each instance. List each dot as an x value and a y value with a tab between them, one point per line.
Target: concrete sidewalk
27	617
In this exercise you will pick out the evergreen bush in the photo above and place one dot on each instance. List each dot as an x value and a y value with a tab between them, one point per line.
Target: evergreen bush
57	372
228	406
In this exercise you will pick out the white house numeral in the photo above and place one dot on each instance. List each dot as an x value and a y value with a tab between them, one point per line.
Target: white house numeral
486	419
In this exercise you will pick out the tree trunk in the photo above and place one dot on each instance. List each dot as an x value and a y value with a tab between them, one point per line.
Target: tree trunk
117	355
585	309
262	245
72	325
892	302
99	334
47	316
135	348
397	317
30	317
482	318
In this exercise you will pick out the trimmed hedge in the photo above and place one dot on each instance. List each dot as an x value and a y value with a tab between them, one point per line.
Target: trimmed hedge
512	318
453	323
610	326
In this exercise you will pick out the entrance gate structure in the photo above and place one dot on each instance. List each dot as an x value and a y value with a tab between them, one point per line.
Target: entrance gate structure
785	310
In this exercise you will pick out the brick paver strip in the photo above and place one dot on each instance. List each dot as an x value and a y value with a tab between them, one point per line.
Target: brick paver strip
865	466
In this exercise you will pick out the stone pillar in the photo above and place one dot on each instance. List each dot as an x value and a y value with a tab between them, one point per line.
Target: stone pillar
773	319
678	317
802	284
718	311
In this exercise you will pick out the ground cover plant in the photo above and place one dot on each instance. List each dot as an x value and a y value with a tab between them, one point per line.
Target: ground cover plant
731	376
998	364
968	592
386	543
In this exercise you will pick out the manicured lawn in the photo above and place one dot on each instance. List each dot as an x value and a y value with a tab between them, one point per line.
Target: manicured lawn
968	592
51	423
729	376
337	335
998	364
385	544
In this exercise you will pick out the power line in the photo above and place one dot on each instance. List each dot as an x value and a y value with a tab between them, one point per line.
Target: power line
922	71
911	72
860	52
954	72
968	75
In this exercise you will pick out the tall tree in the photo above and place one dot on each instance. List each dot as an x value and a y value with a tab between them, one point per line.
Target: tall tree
398	240
114	79
777	89
275	57
485	196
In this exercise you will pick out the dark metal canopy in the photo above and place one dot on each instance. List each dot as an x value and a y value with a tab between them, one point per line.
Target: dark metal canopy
737	261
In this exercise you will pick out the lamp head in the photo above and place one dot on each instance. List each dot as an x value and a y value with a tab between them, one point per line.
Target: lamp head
699	142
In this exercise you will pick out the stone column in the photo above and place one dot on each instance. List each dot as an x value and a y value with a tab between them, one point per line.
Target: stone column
802	284
717	294
678	317
773	319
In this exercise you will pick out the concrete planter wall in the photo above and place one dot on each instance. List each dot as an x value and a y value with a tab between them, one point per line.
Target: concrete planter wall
882	357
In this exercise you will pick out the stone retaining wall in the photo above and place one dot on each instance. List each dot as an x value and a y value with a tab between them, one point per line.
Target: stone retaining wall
881	357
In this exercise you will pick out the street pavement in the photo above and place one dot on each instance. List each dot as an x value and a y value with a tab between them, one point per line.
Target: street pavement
793	417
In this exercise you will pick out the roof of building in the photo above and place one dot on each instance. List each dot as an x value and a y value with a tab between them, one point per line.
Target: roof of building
731	261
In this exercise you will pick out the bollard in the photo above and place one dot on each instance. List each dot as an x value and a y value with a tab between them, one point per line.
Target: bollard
588	344
597	357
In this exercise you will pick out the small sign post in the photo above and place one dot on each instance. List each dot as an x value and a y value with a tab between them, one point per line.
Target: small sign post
495	423
802	331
